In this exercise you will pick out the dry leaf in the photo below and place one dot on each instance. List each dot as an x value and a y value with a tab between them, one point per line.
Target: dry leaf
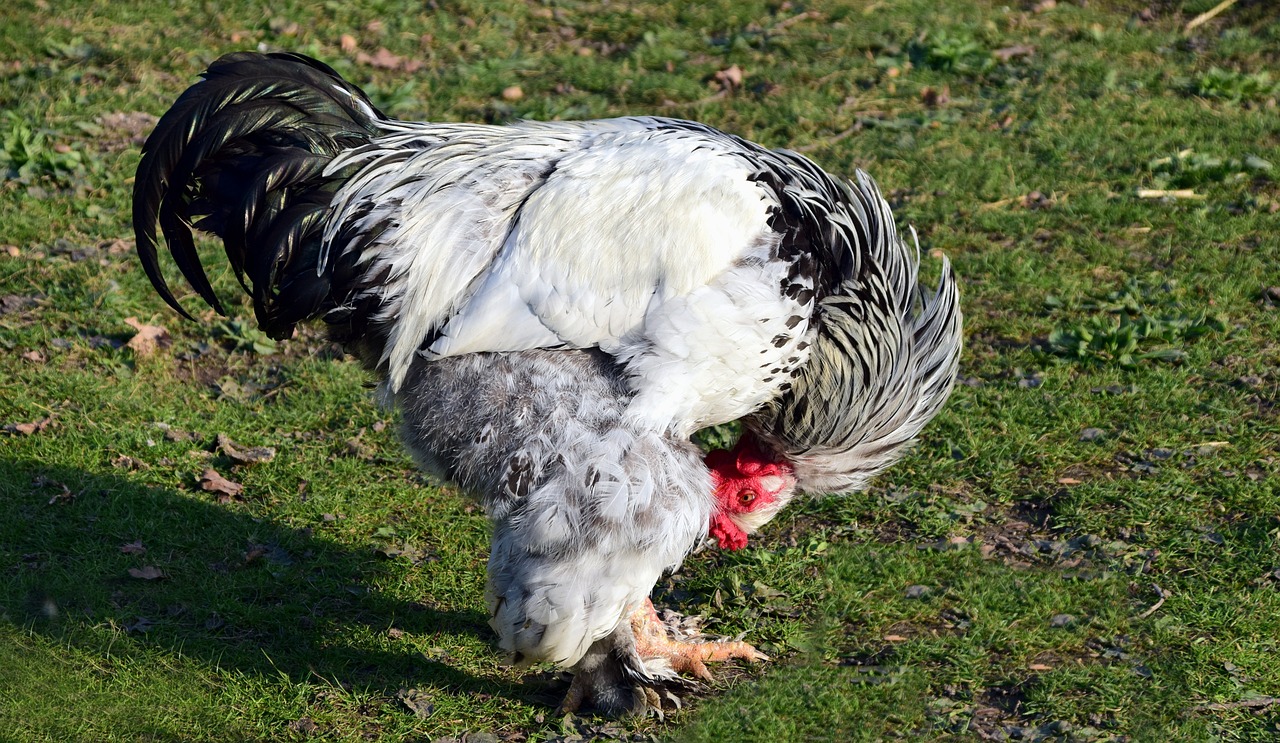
1039	667
240	455
254	553
347	43
512	93
934	98
384	59
133	548
147	572
126	462
730	79
148	338
1068	481
66	496
213	482
35	356
894	638
26	429
1017	50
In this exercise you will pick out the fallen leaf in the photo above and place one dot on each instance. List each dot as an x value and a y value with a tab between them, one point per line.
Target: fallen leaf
1017	50
730	79
417	702
148	572
148	338
934	98
1068	481
254	553
26	429
512	93
384	59
240	455
13	251
65	496
894	638
213	482
35	356
1039	667
133	548
126	462
347	43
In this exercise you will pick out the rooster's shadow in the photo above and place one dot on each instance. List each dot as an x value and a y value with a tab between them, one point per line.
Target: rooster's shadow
234	591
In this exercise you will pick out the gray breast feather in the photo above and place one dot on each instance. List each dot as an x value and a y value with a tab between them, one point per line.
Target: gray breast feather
588	510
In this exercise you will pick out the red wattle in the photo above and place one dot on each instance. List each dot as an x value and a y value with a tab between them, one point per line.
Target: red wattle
727	533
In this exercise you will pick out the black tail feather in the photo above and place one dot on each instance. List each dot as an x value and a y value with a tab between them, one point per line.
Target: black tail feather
244	150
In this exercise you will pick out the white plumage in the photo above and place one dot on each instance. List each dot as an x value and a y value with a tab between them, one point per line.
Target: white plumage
556	308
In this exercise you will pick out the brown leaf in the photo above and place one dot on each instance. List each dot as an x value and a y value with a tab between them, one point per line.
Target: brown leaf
148	338
935	98
27	429
126	462
240	455
13	251
730	79
512	93
1017	50
133	548
1068	481
894	638
35	356
119	246
147	572
213	482
347	43
254	553
384	59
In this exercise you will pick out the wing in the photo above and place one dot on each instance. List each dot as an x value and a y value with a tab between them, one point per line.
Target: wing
647	238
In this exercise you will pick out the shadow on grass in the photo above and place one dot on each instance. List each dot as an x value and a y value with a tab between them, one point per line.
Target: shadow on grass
235	591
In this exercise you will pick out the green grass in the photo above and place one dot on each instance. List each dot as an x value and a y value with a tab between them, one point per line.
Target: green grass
1113	447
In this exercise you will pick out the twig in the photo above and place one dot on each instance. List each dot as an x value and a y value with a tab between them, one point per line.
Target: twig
1162	594
829	140
1160	193
784	23
1208	15
1243	704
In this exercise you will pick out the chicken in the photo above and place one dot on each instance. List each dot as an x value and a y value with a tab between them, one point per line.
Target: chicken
555	308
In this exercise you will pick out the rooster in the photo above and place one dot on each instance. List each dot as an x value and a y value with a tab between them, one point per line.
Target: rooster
555	308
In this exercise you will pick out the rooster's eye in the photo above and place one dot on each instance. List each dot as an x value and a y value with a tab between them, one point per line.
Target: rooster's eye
747	497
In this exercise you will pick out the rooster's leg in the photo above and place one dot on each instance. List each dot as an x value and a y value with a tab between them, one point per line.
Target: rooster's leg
653	641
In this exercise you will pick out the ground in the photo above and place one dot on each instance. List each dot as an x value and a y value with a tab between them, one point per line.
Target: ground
1082	547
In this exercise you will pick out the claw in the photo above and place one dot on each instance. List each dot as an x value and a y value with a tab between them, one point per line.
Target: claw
687	658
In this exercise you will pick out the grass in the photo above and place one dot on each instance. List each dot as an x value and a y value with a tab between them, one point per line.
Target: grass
1082	547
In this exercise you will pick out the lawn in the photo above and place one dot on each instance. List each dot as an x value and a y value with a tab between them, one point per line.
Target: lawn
1084	546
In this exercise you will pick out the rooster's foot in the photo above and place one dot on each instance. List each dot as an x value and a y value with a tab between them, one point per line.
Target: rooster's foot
654	642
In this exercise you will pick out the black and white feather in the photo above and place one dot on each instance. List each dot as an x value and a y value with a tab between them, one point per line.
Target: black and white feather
556	307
